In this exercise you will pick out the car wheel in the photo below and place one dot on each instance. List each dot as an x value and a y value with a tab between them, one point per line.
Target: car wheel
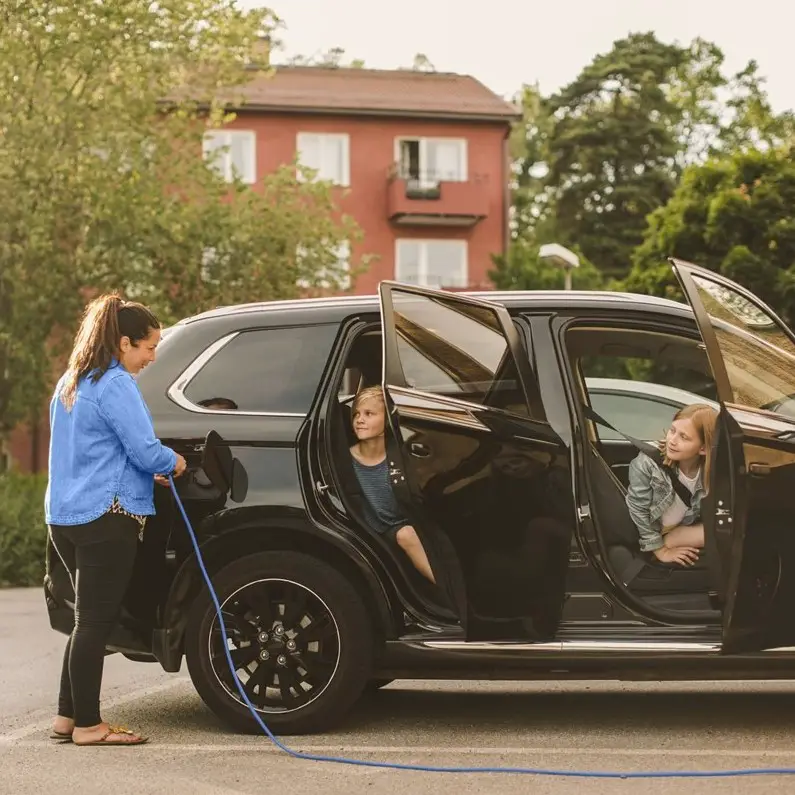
298	634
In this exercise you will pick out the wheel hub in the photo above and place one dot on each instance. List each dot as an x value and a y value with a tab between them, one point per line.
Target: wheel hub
284	643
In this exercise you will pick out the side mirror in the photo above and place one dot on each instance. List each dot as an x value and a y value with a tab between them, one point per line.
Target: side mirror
224	471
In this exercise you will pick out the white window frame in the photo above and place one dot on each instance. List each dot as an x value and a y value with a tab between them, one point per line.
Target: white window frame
462	245
423	141
321	138
223	162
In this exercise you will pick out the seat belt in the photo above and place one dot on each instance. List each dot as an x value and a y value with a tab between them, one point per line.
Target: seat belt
650	450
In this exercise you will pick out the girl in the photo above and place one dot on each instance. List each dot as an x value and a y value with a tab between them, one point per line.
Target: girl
104	458
667	526
372	473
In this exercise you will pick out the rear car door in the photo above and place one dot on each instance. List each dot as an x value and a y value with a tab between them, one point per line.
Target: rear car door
483	470
749	513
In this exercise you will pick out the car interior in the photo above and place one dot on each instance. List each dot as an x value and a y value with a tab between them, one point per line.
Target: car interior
362	368
627	353
651	356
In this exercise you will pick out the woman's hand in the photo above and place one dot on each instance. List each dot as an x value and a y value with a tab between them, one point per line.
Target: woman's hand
684	556
181	466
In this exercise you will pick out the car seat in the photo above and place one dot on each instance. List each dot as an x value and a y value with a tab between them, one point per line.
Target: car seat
640	572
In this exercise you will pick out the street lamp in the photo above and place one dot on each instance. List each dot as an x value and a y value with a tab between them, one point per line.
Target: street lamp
560	257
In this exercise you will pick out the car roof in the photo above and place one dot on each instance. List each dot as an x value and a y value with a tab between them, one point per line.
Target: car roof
540	299
647	389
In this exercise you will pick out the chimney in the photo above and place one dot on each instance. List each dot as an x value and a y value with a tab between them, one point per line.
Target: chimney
260	53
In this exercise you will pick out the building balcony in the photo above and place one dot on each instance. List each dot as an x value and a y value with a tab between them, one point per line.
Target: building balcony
428	201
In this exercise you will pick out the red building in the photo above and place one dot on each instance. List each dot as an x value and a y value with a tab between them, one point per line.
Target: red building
423	155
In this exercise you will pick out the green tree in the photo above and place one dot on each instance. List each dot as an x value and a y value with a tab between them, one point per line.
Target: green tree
333	58
528	149
521	269
102	185
752	123
732	215
611	148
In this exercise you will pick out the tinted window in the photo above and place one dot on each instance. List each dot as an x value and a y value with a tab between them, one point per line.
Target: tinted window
643	418
455	348
274	370
758	353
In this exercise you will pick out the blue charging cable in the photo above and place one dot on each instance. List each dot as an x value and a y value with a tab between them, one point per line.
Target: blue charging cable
531	771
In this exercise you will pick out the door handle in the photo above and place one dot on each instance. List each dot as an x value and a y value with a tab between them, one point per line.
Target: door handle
759	469
419	450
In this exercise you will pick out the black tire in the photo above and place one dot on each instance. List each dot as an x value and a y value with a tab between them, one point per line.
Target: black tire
316	601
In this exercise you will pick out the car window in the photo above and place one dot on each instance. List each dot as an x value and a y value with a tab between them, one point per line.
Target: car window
273	370
457	349
645	419
758	353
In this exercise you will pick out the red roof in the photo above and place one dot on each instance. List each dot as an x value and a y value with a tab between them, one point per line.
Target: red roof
373	92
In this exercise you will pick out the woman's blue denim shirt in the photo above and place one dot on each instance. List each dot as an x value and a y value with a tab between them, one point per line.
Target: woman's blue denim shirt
649	496
104	447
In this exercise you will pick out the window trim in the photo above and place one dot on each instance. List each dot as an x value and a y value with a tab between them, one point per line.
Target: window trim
176	392
346	154
463	145
227	175
423	264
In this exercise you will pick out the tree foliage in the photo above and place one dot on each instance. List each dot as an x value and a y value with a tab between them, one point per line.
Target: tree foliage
102	186
521	269
593	162
732	215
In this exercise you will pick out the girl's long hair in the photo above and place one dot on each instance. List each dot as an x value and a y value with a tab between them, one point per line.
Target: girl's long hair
106	320
704	418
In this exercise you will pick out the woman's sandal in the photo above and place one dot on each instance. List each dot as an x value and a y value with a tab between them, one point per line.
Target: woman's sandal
116	730
64	737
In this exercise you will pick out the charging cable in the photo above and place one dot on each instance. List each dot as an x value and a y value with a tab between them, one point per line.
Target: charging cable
531	771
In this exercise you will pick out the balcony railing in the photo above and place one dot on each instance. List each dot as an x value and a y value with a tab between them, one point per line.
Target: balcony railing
428	198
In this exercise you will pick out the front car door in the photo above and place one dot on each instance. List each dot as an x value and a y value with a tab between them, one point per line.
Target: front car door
485	473
749	515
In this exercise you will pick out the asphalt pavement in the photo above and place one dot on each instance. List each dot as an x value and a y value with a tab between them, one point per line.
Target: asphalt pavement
597	726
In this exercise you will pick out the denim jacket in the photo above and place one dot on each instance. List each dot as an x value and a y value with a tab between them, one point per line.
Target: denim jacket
105	447
649	496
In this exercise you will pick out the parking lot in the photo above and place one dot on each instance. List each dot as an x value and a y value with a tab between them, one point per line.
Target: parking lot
566	725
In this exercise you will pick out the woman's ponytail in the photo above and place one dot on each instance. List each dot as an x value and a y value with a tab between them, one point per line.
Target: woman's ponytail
99	337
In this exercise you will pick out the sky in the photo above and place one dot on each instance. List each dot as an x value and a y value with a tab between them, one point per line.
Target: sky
506	43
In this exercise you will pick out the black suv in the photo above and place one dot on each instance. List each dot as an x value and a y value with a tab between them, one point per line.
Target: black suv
512	481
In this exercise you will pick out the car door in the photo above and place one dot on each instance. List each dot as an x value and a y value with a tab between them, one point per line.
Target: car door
750	510
486	477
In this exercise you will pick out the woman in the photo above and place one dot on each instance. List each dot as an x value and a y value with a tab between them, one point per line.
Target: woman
104	457
372	473
669	528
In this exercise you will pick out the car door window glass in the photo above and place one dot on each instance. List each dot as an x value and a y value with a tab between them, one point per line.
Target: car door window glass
456	349
275	370
758	353
637	416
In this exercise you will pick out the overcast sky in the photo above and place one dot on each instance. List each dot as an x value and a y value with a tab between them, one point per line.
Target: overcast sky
505	43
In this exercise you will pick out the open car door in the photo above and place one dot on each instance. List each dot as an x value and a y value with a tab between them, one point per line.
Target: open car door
749	514
476	460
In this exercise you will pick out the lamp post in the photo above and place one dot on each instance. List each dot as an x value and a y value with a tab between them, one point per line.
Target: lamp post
560	257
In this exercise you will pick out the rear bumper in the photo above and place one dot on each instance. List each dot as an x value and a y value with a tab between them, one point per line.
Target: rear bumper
127	637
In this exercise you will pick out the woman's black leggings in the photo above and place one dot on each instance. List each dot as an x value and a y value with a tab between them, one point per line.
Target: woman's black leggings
99	557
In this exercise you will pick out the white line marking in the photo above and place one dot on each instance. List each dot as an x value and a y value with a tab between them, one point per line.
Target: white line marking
44	725
385	751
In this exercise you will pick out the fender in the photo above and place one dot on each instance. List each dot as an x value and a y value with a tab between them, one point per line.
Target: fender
237	532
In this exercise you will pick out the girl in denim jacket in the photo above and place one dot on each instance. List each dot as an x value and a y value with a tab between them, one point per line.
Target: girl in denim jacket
668	528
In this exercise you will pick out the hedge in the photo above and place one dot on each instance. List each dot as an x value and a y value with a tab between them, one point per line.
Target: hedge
23	533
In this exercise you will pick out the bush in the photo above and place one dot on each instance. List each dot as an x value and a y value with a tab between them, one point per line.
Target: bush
23	532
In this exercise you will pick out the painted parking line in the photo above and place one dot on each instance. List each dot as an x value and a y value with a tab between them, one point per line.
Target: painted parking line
260	745
119	701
